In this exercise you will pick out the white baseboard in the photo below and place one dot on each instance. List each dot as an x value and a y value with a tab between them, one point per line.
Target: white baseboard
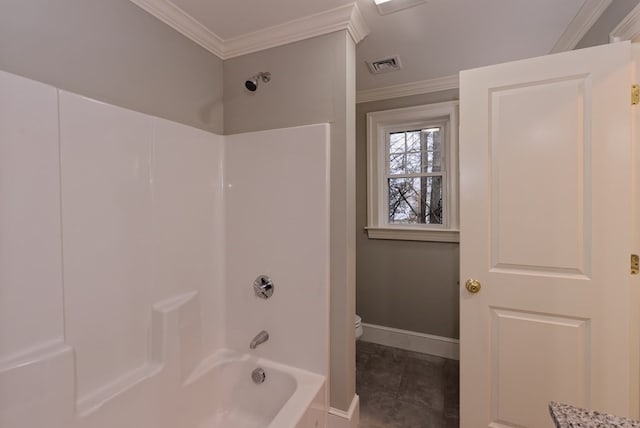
412	341
349	419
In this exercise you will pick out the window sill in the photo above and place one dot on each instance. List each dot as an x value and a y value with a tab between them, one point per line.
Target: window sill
413	234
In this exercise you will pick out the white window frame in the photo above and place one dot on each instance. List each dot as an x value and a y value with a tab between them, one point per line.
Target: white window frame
379	125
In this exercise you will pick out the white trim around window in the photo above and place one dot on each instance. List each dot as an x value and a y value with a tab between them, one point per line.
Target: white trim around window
379	125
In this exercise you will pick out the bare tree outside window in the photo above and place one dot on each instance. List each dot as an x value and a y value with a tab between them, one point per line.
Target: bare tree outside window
412	173
415	176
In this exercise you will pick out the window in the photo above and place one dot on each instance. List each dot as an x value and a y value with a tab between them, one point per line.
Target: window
413	173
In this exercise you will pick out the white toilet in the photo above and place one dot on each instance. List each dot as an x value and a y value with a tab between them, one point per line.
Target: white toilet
359	329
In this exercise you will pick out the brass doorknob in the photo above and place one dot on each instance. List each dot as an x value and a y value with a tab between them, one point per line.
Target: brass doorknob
473	286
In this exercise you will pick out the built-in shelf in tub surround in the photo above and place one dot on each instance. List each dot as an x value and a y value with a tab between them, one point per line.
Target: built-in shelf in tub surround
38	388
567	416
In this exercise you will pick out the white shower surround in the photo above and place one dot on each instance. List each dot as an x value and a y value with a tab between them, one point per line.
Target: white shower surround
279	228
118	286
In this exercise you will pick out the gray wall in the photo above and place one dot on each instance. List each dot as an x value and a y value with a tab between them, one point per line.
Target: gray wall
408	285
414	285
599	33
312	81
115	52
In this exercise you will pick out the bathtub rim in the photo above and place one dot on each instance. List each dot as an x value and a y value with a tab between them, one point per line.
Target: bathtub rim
308	384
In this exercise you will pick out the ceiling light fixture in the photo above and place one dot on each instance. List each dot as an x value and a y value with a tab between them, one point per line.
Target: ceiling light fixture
386	7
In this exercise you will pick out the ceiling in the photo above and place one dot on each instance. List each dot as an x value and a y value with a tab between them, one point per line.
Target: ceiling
233	18
434	40
442	37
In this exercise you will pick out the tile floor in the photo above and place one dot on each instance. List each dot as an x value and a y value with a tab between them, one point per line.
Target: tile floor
404	389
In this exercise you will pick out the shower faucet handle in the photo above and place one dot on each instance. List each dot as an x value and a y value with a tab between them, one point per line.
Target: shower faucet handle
263	287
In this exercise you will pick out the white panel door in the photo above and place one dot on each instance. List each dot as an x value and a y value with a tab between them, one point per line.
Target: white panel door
546	220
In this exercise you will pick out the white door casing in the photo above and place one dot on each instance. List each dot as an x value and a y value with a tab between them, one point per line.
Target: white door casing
546	224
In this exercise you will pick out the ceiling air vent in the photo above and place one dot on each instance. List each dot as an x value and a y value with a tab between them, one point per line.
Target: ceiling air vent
384	65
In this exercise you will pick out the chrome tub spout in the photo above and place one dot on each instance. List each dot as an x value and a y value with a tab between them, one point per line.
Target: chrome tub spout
261	337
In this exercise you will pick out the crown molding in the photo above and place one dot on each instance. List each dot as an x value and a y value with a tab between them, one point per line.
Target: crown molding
588	14
357	26
347	17
175	17
406	89
628	28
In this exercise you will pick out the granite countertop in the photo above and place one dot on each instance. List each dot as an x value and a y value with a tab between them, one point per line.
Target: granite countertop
566	416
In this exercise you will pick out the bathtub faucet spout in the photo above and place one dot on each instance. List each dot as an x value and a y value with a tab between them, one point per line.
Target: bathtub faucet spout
261	337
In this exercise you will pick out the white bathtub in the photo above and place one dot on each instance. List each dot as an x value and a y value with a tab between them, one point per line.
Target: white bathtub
223	395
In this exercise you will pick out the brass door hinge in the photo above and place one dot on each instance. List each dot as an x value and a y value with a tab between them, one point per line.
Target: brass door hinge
635	264
635	95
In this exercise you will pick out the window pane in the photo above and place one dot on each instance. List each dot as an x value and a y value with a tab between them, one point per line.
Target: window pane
432	150
415	200
415	152
413	163
396	142
405	163
396	163
413	141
